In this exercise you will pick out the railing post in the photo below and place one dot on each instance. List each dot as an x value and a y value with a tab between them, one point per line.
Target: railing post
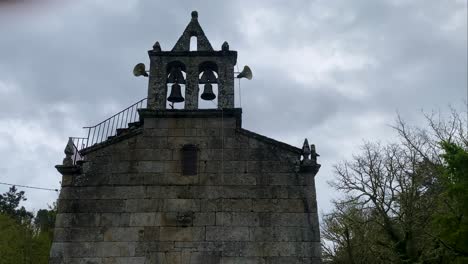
87	139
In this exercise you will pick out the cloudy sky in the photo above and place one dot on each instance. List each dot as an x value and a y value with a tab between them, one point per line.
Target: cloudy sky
334	71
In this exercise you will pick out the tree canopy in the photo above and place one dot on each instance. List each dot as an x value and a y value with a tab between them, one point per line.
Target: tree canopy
403	202
24	239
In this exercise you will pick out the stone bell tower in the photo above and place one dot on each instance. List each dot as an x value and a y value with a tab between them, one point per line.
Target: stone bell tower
154	184
166	66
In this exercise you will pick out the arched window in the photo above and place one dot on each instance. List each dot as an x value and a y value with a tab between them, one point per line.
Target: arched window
193	43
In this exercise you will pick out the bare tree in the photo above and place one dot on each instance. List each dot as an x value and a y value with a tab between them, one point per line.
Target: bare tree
395	190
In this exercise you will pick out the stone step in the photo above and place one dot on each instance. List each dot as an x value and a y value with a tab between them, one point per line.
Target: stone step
121	131
134	125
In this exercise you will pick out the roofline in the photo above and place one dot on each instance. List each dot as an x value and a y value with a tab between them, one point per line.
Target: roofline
271	141
112	141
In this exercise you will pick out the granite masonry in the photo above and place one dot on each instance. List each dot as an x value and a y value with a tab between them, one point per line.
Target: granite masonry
188	186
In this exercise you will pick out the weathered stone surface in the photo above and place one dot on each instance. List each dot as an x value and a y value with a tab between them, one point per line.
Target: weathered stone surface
247	203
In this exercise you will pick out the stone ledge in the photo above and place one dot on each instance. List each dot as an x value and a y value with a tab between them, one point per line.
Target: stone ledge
184	113
68	169
220	53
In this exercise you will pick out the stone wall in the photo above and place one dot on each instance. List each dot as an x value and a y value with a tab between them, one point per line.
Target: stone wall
131	204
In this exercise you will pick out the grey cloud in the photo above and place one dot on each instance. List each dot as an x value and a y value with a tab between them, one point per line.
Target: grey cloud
69	65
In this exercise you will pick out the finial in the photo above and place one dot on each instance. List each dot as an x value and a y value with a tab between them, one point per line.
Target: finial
309	159
156	46
194	15
314	154
306	149
69	151
225	46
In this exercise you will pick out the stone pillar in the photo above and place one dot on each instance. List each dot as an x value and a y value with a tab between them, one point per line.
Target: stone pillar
191	87
157	87
226	86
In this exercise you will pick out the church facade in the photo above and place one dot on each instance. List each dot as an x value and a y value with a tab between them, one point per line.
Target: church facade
190	185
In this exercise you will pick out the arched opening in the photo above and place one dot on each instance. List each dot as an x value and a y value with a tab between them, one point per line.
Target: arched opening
208	85
207	88
193	43
181	105
176	76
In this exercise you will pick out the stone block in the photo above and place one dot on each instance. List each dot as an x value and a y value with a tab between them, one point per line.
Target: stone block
290	219
227	233
115	249
237	219
239	178
241	248
114	219
289	260
142	205
281	234
182	234
244	260
150	166
150	233
236	205
78	234
152	155
204	219
208	132
210	154
208	178
159	142
122	234
210	205
279	205
212	123
177	132
74	249
171	178
147	248
178	205
145	219
172	167
77	220
124	260
154	122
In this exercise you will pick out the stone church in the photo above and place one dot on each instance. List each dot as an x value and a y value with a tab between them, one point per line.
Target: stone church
164	181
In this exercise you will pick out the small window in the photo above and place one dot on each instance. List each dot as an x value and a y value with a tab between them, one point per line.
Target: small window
189	159
193	43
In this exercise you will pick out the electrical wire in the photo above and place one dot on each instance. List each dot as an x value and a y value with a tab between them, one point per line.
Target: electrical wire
30	187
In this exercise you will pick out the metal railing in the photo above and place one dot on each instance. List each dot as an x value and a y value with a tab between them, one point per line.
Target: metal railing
78	144
108	128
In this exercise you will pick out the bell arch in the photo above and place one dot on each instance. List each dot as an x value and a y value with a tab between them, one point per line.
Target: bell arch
175	84
208	85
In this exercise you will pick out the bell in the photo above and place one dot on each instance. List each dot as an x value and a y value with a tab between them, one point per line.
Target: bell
207	77
176	76
176	94
208	94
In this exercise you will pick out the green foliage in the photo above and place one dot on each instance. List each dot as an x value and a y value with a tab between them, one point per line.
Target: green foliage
451	221
9	204
405	202
23	240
